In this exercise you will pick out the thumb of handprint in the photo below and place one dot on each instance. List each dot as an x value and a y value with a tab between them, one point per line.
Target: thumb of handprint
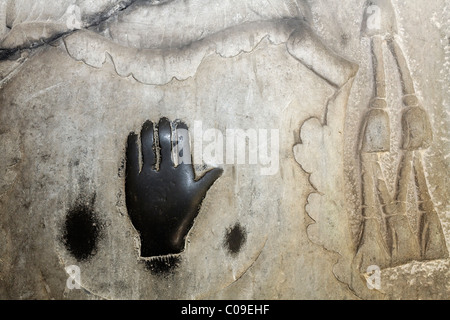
162	196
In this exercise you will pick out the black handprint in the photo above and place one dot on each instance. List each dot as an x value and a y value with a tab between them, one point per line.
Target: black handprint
163	202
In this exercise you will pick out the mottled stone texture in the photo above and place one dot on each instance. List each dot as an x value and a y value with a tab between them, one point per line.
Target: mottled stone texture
114	116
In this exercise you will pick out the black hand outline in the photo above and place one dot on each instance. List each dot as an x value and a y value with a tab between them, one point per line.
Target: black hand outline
162	204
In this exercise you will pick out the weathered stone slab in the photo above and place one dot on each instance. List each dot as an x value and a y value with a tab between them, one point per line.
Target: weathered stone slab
224	150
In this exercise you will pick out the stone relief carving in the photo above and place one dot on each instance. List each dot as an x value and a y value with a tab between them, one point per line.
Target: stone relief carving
266	64
158	62
398	227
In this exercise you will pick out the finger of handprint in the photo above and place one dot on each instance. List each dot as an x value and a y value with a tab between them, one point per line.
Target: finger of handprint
165	142
132	156
183	150
208	179
147	142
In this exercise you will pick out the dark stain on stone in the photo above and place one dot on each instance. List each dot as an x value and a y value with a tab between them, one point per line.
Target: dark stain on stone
163	265
162	204
81	230
235	238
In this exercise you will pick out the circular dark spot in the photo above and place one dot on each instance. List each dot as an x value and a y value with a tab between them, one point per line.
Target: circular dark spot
235	237
81	231
162	265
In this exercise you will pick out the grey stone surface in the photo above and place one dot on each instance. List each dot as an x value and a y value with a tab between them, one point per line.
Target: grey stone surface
352	203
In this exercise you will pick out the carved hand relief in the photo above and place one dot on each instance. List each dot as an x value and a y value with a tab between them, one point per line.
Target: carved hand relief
215	149
158	61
